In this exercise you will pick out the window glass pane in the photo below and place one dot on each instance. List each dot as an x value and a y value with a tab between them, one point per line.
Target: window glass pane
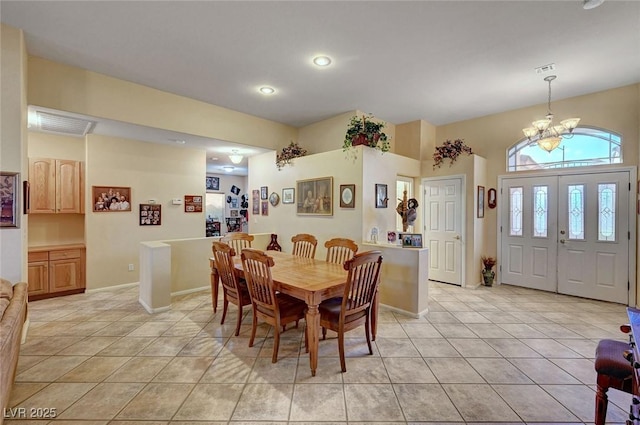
607	212
515	211
576	211
540	211
588	146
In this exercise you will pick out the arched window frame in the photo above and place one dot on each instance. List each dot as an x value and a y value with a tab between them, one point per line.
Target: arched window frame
614	148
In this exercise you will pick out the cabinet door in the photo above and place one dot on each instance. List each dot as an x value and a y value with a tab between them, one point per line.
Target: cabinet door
38	277
42	181
67	186
65	275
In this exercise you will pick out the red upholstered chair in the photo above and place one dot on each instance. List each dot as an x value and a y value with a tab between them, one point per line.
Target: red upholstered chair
614	370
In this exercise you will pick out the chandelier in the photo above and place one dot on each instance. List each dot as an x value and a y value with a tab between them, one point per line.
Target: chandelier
235	157
549	135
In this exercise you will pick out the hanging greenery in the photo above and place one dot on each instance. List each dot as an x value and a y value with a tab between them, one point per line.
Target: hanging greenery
288	153
451	150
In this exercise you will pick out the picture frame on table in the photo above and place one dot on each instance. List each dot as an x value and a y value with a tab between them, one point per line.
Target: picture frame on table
288	195
111	198
9	198
315	196
480	202
381	196
411	240
347	196
213	183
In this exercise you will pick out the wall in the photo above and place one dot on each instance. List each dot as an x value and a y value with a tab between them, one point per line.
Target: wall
66	88
153	172
617	110
55	229
13	147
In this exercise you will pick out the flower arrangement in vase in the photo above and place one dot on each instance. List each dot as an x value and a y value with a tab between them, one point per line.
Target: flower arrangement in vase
487	273
451	150
288	153
365	131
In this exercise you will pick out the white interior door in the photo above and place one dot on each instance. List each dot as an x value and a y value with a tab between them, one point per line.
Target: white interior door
444	215
568	234
594	236
529	236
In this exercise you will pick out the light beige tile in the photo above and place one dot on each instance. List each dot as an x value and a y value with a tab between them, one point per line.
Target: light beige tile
47	346
199	406
264	402
27	362
480	403
139	369
184	369
165	346
151	329
284	371
435	347
57	396
533	404
318	402
421	330
426	403
473	347
20	391
89	346
408	370
118	329
127	346
327	372
372	402
396	347
203	347
156	402
104	401
229	369
453	371
365	370
50	369
542	371
498	371
95	369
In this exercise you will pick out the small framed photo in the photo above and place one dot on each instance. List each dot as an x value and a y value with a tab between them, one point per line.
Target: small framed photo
411	240
213	183
480	201
234	213
192	203
150	214
381	196
255	199
347	196
288	195
9	199
264	192
265	207
111	198
235	190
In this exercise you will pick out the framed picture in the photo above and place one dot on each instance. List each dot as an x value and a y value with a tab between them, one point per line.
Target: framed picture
381	196
255	199
265	207
480	201
264	192
111	198
234	202
213	183
411	240
9	199
234	213
492	199
192	203
150	214
315	196
235	190
274	199
288	195
347	196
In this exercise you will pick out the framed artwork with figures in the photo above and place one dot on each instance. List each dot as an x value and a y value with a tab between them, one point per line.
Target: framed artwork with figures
315	196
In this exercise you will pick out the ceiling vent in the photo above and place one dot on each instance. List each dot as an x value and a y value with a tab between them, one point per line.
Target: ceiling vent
61	124
546	68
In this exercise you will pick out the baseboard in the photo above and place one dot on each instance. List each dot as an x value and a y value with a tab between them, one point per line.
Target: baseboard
110	288
405	312
153	310
191	291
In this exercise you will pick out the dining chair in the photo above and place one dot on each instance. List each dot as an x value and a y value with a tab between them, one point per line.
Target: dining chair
354	308
276	309
235	290
340	250
237	240
304	245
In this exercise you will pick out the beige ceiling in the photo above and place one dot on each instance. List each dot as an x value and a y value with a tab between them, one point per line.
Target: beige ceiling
438	61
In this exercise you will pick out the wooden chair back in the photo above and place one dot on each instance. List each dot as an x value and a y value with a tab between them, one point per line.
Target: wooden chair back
340	250
223	255
238	241
304	245
257	272
362	282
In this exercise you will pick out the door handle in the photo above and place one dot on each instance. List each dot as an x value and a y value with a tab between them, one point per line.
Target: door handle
457	237
562	241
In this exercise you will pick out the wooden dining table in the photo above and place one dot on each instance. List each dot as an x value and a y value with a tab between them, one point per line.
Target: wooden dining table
307	279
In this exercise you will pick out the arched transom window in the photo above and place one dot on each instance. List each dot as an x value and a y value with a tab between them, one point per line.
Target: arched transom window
588	146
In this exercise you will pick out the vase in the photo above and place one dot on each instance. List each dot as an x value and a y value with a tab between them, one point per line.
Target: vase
487	277
274	245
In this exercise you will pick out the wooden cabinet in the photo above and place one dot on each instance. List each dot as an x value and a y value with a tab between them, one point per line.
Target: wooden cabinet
56	270
55	186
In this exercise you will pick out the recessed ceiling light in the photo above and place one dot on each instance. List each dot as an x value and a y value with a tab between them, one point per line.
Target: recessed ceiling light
322	60
591	4
180	142
267	90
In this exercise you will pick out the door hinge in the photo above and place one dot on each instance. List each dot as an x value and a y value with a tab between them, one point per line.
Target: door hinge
628	286
500	229
500	268
629	186
629	235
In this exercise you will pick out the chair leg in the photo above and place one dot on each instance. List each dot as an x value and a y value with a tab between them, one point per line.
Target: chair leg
343	363
367	324
306	339
602	400
276	343
254	325
239	321
324	333
225	305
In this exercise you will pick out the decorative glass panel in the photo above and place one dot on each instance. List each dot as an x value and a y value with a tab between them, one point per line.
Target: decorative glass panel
515	211
576	211
607	212
588	146
540	211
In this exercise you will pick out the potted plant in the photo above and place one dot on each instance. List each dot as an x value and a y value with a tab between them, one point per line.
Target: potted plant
365	131
450	150
487	273
288	153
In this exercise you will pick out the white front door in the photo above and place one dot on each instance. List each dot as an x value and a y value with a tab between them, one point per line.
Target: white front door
568	234
444	215
594	236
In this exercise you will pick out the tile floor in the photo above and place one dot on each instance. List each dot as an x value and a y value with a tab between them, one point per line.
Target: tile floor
484	355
